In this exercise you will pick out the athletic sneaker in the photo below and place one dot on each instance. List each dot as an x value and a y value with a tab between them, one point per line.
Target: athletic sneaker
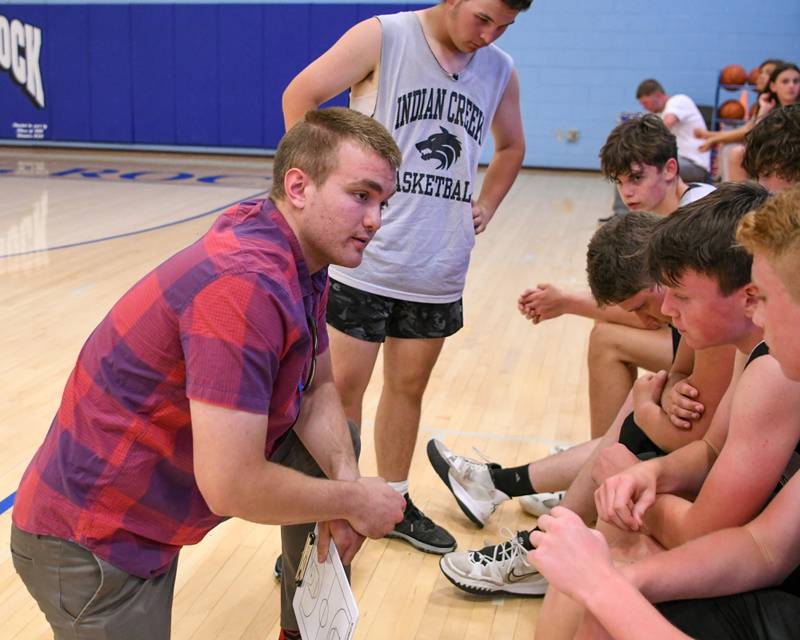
468	480
501	568
540	503
421	532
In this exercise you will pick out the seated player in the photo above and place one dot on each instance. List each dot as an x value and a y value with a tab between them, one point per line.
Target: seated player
746	577
755	429
772	151
478	487
641	157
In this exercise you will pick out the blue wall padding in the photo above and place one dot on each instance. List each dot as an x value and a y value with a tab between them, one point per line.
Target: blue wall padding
286	52
69	90
154	74
172	74
241	59
212	74
110	81
197	90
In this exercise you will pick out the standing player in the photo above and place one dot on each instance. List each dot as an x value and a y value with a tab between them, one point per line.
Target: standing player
436	81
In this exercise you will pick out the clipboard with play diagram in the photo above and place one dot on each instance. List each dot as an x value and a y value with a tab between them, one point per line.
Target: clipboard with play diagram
323	603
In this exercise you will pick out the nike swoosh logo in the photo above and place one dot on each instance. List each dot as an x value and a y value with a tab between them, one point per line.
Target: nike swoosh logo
513	576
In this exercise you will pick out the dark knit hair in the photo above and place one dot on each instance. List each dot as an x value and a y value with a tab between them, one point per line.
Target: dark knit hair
773	145
644	140
701	237
615	259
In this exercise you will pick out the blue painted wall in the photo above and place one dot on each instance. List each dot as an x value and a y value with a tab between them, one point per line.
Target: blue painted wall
210	74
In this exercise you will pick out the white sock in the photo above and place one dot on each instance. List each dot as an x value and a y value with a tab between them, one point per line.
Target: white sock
400	487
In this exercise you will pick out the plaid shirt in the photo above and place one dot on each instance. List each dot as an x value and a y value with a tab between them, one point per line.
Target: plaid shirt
224	321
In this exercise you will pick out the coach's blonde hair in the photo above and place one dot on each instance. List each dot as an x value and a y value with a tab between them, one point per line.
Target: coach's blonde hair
312	144
774	229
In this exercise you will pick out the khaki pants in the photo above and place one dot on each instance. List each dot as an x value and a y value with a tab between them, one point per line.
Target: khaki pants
84	597
292	453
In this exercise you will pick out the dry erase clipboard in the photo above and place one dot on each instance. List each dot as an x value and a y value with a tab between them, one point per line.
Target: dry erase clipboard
323	603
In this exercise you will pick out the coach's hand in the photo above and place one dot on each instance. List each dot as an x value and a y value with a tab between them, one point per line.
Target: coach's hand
376	508
348	540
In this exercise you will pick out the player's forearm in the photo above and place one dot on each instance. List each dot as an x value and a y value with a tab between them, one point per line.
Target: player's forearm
274	494
582	303
731	135
669	520
721	563
323	430
659	428
298	98
685	469
500	176
626	614
618	315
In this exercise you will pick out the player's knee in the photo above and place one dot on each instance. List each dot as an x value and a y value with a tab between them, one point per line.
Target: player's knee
602	343
351	386
406	382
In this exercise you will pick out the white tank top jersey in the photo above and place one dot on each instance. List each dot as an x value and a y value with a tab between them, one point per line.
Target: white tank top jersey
440	122
695	191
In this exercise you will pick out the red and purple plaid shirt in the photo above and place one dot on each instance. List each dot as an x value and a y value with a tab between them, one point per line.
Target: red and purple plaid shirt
225	321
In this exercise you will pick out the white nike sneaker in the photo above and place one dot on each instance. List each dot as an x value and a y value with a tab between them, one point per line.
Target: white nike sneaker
495	569
468	480
540	503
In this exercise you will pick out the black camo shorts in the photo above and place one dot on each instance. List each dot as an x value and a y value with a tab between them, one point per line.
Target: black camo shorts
372	317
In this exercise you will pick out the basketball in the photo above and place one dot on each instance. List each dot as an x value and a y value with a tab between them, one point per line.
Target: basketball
731	110
733	74
754	73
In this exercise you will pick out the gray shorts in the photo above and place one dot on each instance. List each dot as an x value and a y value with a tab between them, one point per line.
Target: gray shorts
373	318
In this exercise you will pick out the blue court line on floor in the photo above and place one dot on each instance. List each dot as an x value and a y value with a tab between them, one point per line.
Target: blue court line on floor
7	503
83	243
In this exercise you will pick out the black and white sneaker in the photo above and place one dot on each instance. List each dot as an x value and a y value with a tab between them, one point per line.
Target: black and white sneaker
496	569
277	571
421	532
469	481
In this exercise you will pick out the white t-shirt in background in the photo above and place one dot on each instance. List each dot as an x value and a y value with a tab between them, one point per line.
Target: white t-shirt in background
689	119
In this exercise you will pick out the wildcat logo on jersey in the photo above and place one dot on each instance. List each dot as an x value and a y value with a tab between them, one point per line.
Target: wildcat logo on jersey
443	147
19	55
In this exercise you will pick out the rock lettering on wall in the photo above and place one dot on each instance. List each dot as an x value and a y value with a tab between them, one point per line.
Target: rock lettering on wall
20	45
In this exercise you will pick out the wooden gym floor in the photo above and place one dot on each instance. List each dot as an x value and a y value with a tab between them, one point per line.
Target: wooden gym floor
77	229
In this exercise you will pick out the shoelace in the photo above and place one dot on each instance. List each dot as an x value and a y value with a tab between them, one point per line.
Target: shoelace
473	466
415	515
500	552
